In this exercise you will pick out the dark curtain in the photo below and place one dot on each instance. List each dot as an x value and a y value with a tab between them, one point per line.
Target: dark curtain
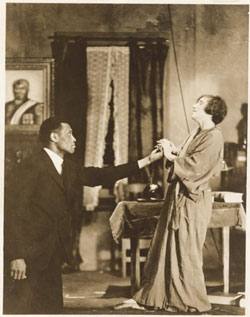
71	100
71	91
146	103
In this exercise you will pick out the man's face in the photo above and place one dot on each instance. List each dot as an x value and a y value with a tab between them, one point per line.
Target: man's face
20	91
65	139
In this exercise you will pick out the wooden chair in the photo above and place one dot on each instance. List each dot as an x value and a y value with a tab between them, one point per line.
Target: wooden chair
132	192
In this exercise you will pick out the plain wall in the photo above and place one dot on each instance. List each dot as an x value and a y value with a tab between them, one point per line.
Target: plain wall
212	54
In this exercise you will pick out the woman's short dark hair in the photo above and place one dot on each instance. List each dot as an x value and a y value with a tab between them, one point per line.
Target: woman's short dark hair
49	125
216	107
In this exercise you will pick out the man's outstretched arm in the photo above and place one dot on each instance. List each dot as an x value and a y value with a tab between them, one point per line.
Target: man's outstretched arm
94	176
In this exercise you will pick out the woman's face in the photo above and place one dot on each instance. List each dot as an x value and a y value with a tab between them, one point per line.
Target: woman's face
199	113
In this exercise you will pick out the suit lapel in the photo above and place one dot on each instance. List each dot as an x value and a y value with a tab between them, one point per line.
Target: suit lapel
52	170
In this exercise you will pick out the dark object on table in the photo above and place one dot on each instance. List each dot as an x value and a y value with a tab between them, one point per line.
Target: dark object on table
153	192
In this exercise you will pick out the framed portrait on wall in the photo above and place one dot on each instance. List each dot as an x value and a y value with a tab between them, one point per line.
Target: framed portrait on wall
29	91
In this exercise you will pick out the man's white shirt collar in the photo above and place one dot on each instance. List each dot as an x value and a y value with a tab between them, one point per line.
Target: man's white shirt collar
56	159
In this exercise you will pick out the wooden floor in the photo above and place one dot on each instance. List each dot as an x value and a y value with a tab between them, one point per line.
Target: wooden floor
98	292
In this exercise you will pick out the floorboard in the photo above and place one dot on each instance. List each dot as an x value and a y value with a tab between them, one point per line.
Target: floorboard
98	292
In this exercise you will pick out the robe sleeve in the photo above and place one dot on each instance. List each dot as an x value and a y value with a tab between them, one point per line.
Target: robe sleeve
202	161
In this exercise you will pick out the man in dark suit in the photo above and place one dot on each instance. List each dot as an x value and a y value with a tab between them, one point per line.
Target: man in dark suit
38	215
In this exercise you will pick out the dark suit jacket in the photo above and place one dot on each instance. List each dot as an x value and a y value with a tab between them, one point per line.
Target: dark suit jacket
39	206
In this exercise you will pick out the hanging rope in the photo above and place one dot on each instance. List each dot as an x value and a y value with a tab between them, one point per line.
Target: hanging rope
177	68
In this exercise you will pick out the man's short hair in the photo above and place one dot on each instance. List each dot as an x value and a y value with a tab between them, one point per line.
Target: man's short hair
49	125
20	82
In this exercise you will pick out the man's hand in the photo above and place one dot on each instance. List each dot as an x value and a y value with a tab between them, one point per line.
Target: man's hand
18	269
155	155
168	148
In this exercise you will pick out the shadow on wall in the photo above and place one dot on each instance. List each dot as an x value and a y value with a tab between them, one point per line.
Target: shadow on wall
242	127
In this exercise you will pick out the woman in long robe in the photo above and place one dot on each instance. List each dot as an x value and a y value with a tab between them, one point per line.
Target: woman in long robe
173	277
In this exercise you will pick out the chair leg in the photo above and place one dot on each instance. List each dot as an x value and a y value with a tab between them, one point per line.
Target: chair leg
124	263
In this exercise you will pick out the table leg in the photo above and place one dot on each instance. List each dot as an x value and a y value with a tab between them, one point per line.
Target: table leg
226	245
135	265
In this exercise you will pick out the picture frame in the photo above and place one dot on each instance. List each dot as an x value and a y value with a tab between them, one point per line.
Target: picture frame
29	93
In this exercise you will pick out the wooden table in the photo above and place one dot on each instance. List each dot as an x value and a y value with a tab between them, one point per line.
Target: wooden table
135	220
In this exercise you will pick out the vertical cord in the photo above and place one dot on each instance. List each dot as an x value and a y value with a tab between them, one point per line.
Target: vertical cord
177	68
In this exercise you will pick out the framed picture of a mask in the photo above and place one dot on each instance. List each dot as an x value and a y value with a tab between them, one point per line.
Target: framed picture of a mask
29	91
